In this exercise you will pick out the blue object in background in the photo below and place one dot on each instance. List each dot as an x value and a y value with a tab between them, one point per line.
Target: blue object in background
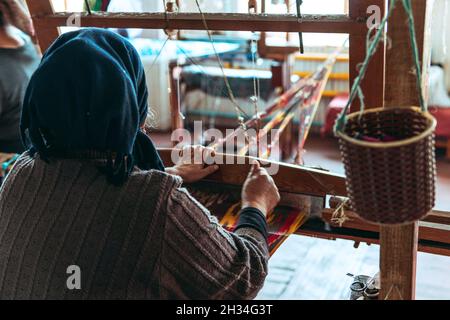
174	48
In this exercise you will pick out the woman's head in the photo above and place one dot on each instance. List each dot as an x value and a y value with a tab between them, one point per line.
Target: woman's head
89	93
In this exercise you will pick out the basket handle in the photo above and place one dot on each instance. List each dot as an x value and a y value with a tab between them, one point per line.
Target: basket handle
371	48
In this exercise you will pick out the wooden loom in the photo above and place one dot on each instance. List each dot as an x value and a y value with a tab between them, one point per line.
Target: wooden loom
388	83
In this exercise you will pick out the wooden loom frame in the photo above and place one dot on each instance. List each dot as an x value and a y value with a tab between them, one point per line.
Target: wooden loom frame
388	82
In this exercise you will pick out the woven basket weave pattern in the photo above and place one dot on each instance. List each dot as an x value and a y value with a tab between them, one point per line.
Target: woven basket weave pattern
395	184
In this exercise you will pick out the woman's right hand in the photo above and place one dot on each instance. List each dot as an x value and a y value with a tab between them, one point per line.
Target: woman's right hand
259	190
193	167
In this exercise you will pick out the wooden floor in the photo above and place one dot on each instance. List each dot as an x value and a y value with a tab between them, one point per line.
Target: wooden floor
309	268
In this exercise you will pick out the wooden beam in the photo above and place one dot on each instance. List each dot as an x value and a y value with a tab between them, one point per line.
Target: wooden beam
352	235
373	83
45	33
437	232
289	178
296	179
401	87
398	252
437	216
215	21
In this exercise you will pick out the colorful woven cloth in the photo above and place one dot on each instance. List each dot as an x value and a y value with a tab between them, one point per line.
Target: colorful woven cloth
334	109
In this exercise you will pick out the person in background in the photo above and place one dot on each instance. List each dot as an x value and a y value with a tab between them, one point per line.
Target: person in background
92	193
18	60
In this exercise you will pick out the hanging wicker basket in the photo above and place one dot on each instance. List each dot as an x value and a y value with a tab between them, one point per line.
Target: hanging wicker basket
390	182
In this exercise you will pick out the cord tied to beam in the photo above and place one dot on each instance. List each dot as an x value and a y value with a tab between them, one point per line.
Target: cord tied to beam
339	217
252	6
239	111
170	7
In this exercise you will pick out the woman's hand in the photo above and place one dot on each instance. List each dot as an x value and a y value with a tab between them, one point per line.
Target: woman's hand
259	190
193	167
16	14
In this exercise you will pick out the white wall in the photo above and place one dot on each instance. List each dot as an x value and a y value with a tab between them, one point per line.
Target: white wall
441	36
210	6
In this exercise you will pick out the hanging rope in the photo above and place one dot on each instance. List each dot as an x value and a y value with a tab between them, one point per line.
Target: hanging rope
371	49
284	103
256	84
169	7
253	9
197	64
167	38
299	19
415	48
159	53
371	46
240	112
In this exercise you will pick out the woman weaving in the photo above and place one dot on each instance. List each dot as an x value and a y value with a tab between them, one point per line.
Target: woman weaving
91	191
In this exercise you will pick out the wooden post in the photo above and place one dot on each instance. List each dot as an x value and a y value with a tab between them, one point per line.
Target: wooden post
373	83
401	89
398	244
45	34
398	253
337	23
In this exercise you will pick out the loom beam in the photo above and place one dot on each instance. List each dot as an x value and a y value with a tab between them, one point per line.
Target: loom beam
434	230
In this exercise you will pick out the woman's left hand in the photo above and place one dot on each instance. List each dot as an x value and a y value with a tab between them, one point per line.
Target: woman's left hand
193	168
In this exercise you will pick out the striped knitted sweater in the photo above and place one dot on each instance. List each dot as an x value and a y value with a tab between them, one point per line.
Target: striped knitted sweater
148	239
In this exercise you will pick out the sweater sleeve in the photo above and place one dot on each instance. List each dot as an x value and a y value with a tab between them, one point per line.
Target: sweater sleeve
201	260
252	218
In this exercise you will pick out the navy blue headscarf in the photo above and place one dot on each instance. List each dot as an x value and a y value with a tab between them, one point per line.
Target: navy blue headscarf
89	94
